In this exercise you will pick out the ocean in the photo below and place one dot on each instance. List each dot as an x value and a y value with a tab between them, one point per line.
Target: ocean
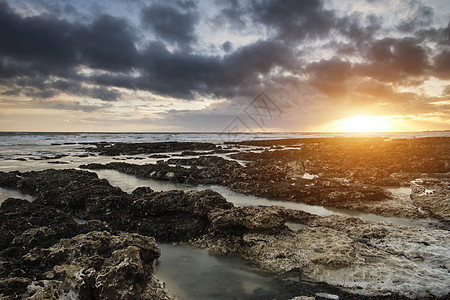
47	138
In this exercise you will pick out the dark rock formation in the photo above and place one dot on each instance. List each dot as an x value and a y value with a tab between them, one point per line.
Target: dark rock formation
347	170
167	216
112	149
248	219
173	215
270	180
365	160
26	228
97	265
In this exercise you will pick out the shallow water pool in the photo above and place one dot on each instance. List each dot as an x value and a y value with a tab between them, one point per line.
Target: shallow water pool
191	274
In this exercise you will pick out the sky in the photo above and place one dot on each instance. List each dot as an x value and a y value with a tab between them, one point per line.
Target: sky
224	65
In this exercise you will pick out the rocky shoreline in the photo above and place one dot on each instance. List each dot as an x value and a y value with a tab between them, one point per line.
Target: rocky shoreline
348	173
44	252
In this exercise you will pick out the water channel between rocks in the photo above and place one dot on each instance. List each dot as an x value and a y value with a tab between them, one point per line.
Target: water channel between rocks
130	182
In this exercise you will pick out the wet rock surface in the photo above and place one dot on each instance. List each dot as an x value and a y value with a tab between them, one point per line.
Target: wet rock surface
98	265
268	181
45	254
348	173
432	195
245	219
362	257
167	216
365	160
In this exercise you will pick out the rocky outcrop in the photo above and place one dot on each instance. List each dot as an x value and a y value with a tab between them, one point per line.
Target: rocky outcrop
173	215
347	171
248	219
365	160
112	149
273	183
25	228
204	170
167	216
433	196
45	254
362	257
99	265
25	225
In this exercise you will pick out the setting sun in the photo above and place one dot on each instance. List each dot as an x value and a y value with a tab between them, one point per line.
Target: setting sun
364	124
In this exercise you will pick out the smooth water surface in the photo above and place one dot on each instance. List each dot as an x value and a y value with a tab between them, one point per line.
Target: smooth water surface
191	274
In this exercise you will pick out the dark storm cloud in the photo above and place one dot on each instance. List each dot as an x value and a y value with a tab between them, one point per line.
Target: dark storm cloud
44	38
394	60
330	76
294	20
353	27
171	24
227	46
38	94
441	68
420	19
39	88
183	75
233	13
39	41
34	48
108	44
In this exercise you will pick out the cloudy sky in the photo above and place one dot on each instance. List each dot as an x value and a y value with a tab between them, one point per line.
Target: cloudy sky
187	65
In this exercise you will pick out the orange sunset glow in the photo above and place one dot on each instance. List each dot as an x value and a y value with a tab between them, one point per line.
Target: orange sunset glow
364	124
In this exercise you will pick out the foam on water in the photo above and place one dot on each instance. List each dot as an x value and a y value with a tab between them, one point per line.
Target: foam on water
6	193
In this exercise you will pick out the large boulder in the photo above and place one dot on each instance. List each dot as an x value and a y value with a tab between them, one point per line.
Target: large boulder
173	215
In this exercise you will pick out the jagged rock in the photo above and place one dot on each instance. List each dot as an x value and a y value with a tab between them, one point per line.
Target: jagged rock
12	287
98	265
167	216
173	215
363	257
26	225
269	180
433	196
253	219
